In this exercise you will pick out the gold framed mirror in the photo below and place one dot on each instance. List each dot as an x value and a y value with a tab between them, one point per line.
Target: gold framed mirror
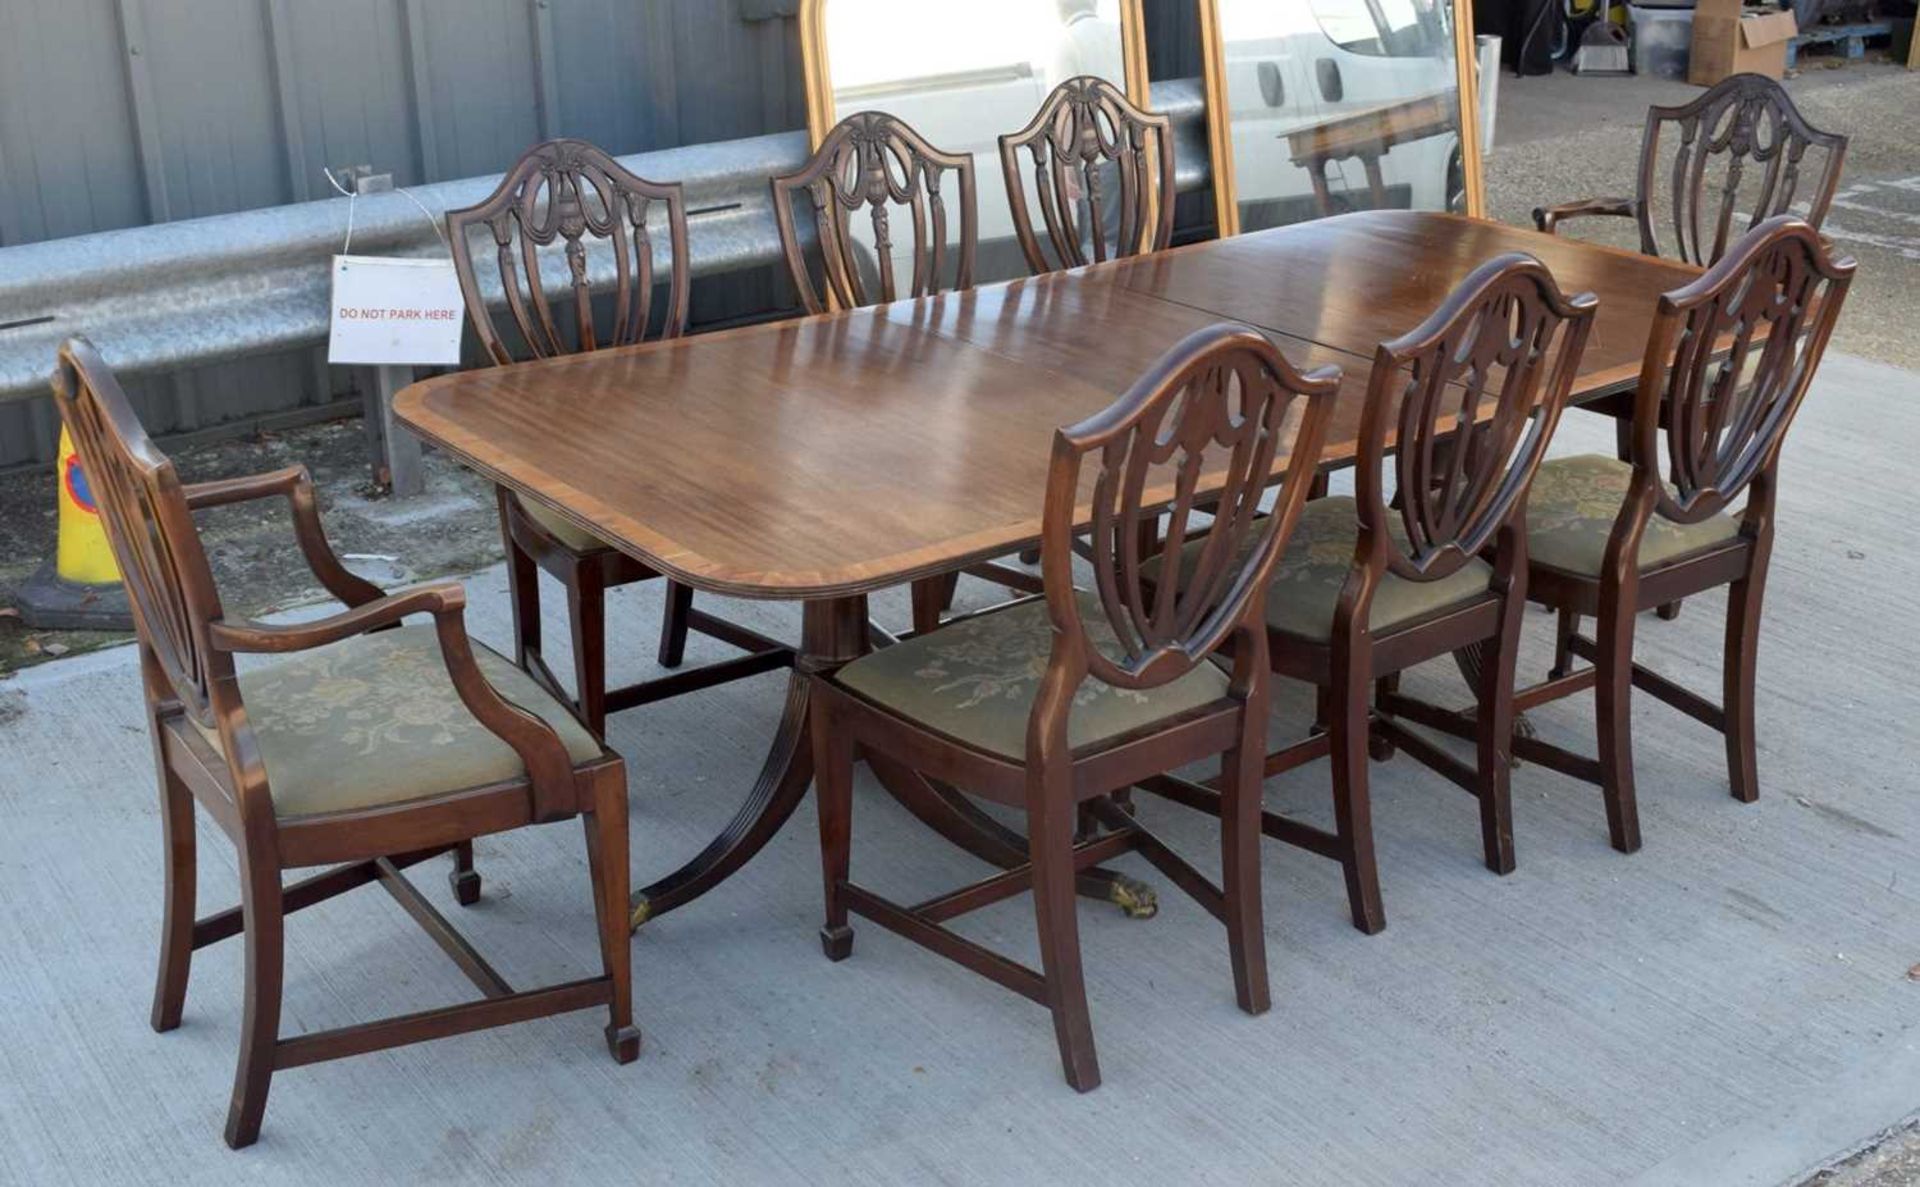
964	75
1338	105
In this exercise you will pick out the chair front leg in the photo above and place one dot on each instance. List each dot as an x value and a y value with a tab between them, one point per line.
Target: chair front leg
1494	740
607	865
1050	825
1613	703
1352	809
833	787
1240	804
265	921
176	919
587	614
1742	654
523	593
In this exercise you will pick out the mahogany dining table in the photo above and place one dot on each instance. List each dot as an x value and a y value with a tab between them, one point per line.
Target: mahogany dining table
825	458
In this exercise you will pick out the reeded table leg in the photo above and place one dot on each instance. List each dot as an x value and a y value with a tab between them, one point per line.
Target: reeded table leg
832	633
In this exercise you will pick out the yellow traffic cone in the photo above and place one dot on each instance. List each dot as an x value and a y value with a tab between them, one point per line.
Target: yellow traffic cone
80	588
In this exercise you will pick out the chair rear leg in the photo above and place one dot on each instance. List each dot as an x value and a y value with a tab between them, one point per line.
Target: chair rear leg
260	1026
1743	646
1240	770
462	878
673	628
1050	821
1613	700
608	865
1352	809
587	612
931	597
1566	626
176	919
833	786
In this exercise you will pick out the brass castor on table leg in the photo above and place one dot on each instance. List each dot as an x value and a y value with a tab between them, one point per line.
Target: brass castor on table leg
1134	897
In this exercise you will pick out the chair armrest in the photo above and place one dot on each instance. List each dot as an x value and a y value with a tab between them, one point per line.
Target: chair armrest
296	486
1547	218
549	766
247	636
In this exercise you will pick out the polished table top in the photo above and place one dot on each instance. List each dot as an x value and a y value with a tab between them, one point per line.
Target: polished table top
838	454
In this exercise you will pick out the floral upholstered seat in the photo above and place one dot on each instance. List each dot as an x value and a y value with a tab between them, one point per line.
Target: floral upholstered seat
375	720
1572	509
975	680
1309	576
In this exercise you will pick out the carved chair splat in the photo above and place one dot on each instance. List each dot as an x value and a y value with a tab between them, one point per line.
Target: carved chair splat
1086	137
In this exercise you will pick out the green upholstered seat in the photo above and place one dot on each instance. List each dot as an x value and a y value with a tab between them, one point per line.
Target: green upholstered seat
375	720
975	680
1572	509
562	529
1309	576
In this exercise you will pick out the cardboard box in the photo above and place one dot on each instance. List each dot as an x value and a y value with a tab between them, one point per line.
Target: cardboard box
1729	39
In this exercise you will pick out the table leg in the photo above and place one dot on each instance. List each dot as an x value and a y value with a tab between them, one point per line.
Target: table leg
832	633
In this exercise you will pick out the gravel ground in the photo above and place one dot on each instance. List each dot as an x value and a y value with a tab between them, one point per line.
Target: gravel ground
1561	138
251	545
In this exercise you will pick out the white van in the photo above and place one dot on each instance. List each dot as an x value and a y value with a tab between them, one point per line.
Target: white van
1294	67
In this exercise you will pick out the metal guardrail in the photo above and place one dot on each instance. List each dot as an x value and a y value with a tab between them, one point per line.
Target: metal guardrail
235	286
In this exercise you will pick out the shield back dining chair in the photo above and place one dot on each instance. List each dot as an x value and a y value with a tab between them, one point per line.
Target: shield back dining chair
366	745
569	194
1461	409
1054	703
875	165
1728	363
1102	173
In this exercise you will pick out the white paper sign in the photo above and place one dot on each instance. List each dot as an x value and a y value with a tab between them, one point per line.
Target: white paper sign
395	312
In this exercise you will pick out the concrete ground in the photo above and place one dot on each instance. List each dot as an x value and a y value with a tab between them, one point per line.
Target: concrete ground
1732	1005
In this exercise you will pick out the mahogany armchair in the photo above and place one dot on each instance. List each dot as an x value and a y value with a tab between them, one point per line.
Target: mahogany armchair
569	192
1368	587
368	742
1743	120
1056	703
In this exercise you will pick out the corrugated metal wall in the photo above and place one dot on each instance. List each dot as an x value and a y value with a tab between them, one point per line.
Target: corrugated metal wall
115	113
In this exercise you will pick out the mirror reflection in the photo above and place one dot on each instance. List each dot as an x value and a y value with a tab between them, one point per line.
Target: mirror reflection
1339	105
962	76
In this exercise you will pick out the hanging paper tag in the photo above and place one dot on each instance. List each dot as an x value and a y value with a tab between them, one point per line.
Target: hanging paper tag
395	312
